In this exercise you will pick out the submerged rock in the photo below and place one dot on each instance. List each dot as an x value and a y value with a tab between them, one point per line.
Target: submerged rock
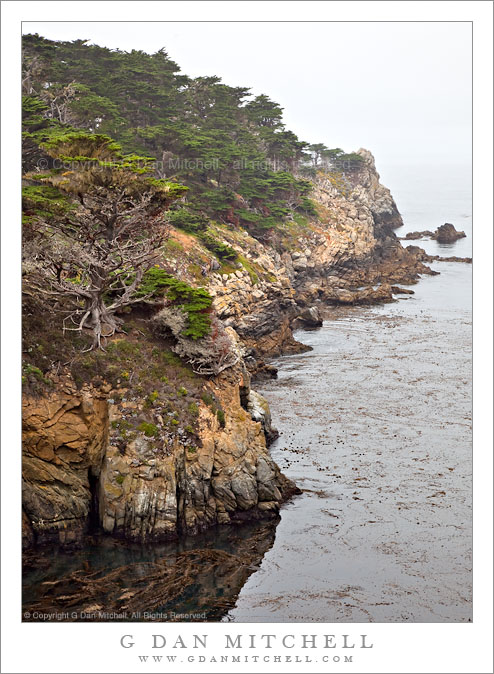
410	236
401	291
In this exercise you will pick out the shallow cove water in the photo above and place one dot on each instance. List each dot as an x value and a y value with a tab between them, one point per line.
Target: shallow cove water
376	425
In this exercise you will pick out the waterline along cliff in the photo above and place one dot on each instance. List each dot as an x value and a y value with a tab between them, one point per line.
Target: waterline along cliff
156	289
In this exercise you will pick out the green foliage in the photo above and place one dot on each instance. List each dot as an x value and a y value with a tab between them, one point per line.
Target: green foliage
44	201
264	112
173	246
189	221
249	267
154	282
119	479
195	302
31	371
308	206
193	409
211	401
221	250
82	146
93	162
149	430
224	144
221	417
122	348
171	358
33	112
207	398
151	399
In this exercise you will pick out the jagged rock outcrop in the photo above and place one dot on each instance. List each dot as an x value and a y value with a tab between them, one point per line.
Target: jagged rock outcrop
258	408
348	255
229	477
413	236
310	317
75	472
370	192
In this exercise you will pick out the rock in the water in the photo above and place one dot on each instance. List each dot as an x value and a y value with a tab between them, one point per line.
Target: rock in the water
410	236
75	472
447	233
401	291
309	318
64	441
258	408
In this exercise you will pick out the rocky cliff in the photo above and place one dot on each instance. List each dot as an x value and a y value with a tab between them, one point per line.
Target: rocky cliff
107	456
77	475
349	254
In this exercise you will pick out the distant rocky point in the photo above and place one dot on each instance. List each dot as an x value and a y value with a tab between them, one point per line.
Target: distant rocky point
446	233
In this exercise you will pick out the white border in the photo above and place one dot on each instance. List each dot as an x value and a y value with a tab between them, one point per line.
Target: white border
398	647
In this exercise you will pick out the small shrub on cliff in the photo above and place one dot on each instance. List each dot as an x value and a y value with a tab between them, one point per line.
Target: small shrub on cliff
190	221
221	250
32	377
215	406
221	417
149	430
207	398
308	206
193	409
249	268
151	399
194	302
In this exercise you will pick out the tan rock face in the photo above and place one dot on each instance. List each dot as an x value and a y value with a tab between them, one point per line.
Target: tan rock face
64	441
349	254
222	480
72	472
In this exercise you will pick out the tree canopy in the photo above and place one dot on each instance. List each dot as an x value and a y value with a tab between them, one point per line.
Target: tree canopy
231	148
119	145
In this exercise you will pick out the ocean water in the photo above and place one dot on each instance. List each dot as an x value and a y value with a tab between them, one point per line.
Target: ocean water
427	197
375	428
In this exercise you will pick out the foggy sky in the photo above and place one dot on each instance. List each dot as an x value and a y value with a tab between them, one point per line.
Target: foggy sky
400	89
